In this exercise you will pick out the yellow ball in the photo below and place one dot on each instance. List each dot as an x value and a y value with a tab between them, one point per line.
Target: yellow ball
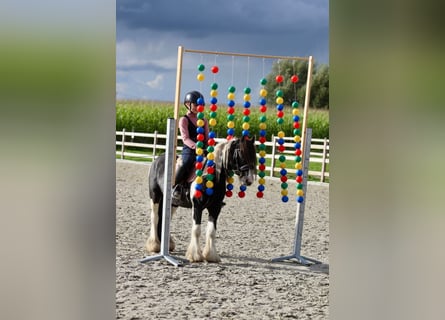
246	97
279	100
298	166
200	123
295	112
297	138
263	126
283	165
231	96
199	151
230	179
214	93
212	122
200	77
209	184
246	126
263	92
300	192
211	156
261	181
230	124
284	192
281	134
262	153
198	180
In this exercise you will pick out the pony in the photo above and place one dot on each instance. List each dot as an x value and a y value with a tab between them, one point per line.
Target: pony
235	156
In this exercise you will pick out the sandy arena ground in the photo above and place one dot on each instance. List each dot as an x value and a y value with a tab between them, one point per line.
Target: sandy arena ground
246	284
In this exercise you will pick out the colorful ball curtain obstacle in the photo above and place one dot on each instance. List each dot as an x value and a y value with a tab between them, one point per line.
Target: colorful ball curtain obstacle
231	113
262	140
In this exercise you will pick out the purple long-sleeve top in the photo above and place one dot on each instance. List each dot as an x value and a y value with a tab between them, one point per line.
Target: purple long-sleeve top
183	129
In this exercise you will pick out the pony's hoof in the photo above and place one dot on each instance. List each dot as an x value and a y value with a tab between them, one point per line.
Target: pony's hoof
172	244
194	257
211	256
153	245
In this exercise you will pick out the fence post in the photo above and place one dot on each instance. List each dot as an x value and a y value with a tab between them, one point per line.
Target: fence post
323	163
272	162
123	144
155	141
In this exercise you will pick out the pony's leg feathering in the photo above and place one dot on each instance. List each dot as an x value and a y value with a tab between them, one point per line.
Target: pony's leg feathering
210	254
153	243
194	253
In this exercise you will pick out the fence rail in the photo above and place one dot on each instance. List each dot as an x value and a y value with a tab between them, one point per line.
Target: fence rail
156	144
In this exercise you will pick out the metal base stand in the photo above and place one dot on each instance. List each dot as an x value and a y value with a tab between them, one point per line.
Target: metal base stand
300	211
166	205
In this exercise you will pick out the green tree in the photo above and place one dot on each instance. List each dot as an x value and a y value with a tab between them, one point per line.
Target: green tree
297	90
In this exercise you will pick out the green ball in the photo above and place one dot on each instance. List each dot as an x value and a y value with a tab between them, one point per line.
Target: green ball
261	174
201	67
298	159
232	89
295	104
282	158
209	177
263	81
279	93
214	86
246	119
200	115
280	120
247	90
210	149
262	146
230	117
300	186
198	172
200	144
263	119
213	114
284	185
297	132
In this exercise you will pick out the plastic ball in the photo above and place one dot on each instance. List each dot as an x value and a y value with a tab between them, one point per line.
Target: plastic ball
281	148
261	174
209	192
214	86
281	134
201	67
246	111
198	180
295	104
212	135
284	185
263	109
210	163
279	93
282	158
294	78
198	165
280	114
283	172
246	126
280	107
261	187
298	152
295	112
215	69
230	124
296	125
230	131
230	186
213	108
298	166
231	96
284	192
263	81
200	77
214	93
212	114
200	144
241	194
262	147
200	130
211	156
299	179
246	97
197	194
285	198
230	180
261	167
247	90
262	153
209	184
261	181
232	89
199	151
200	123
300	192
263	126
263	102
198	187
229	193
279	100
213	100
246	119
231	103
296	118
259	194
300	199
200	109
279	78
212	122
243	188
263	92
246	102
262	139
200	101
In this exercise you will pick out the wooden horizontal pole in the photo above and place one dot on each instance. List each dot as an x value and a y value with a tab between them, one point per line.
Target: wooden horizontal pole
247	55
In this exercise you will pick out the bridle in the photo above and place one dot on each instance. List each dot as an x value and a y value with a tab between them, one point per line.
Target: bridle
242	167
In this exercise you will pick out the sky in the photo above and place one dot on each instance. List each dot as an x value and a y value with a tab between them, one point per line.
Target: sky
148	34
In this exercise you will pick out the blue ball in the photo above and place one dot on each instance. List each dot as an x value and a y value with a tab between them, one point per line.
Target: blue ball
285	198
231	103
262	160
200	130
246	104
243	188
231	131
300	199
283	172
263	101
199	158
209	191
299	172
261	187
210	163
213	100
280	141
280	107
245	133
212	134
198	187
200	101
296	118
229	186
297	145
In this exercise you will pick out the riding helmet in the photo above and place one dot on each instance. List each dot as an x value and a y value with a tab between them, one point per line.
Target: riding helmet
193	97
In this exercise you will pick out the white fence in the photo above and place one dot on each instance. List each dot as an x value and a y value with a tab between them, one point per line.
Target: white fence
319	152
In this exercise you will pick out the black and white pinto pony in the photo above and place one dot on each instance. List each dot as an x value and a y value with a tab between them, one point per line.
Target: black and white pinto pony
237	156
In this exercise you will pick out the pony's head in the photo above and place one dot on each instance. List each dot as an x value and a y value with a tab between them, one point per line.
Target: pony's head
241	159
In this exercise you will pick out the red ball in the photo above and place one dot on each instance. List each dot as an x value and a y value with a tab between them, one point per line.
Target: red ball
262	139
241	194
259	194
211	142
280	114
261	167
200	137
198	165
210	170
229	193
263	109
230	110
281	148
213	107
246	111
299	179
296	125
294	78
200	108
279	78
198	194
215	69
283	178
298	152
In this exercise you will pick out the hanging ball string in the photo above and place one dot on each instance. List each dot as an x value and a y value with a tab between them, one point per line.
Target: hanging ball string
282	158
262	140
199	163
297	145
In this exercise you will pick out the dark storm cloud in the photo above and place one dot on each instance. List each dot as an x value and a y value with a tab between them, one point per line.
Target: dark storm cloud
199	18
